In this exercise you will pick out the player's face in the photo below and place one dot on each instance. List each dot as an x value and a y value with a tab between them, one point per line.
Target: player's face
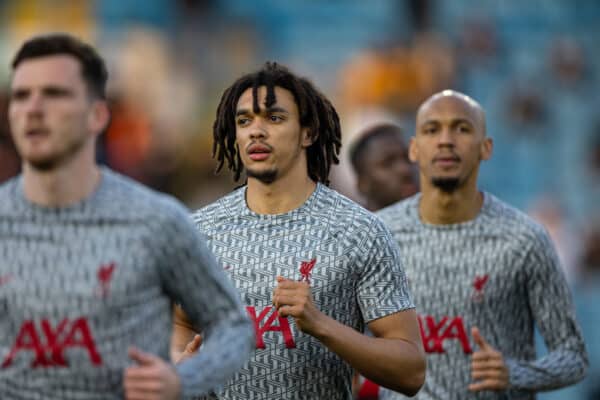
51	115
449	142
271	142
387	175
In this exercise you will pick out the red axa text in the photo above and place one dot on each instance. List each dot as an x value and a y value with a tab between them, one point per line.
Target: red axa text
268	320
48	342
434	333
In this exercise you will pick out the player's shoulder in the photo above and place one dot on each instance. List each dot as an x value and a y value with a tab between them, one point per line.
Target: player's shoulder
221	208
400	214
343	212
133	199
512	221
7	194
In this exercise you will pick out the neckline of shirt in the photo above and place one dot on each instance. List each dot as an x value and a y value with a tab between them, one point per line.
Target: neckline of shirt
487	200
286	215
105	176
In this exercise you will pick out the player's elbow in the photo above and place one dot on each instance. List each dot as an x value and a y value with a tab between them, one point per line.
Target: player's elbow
582	369
417	379
413	378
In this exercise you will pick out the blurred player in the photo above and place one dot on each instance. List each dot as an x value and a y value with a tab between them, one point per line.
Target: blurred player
482	272
384	174
312	266
91	261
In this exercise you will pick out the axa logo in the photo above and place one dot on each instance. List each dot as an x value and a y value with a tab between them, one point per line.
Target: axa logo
306	268
435	333
268	320
105	275
4	279
478	287
48	343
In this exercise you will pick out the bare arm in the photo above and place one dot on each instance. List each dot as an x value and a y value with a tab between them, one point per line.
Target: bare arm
394	358
184	341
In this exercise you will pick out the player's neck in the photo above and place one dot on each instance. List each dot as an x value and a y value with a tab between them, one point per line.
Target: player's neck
441	208
62	186
281	196
374	206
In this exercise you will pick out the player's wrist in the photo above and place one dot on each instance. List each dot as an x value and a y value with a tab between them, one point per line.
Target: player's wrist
324	328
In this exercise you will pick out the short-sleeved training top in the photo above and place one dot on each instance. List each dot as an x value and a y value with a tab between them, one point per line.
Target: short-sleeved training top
343	251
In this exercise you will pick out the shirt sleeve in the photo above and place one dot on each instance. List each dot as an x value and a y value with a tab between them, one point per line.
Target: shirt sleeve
382	286
552	307
193	280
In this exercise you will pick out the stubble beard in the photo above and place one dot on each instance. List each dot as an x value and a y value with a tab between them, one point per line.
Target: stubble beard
62	156
446	185
267	177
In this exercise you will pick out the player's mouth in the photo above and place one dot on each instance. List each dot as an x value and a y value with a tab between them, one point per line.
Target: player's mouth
446	161
35	133
258	152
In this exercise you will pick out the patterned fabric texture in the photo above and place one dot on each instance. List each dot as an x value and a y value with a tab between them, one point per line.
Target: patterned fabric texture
342	250
80	284
500	273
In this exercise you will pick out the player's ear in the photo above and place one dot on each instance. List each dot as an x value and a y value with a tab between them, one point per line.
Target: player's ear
307	138
99	117
487	147
413	152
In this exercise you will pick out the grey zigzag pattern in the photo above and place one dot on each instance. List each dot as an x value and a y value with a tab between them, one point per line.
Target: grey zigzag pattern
115	262
500	273
356	277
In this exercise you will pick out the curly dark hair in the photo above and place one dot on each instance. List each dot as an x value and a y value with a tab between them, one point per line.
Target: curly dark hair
315	112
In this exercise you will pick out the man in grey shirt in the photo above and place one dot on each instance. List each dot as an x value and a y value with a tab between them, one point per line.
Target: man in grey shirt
313	267
482	272
92	262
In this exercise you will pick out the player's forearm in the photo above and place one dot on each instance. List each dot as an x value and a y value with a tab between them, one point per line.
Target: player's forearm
179	340
397	364
557	369
225	349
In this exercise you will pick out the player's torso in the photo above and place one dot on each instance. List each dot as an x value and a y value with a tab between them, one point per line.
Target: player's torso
73	296
253	253
461	279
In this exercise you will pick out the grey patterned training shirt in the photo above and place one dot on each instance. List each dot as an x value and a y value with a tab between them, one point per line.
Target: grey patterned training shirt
80	284
498	272
346	254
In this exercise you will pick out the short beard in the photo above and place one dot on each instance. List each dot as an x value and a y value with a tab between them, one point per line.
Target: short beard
446	185
43	166
266	177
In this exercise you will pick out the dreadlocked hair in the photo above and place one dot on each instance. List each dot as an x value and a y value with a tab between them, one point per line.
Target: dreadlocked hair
315	111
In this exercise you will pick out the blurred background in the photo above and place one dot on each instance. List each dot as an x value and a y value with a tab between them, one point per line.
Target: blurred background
534	66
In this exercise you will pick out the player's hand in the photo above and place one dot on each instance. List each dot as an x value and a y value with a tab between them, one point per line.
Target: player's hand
152	379
488	369
191	348
294	299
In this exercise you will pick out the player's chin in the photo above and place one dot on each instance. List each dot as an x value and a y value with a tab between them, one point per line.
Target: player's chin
41	162
265	175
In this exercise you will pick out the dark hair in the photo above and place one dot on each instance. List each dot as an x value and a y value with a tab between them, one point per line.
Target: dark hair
93	69
357	149
315	113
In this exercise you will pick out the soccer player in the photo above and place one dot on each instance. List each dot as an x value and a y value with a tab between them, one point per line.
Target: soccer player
312	266
91	261
384	174
482	272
